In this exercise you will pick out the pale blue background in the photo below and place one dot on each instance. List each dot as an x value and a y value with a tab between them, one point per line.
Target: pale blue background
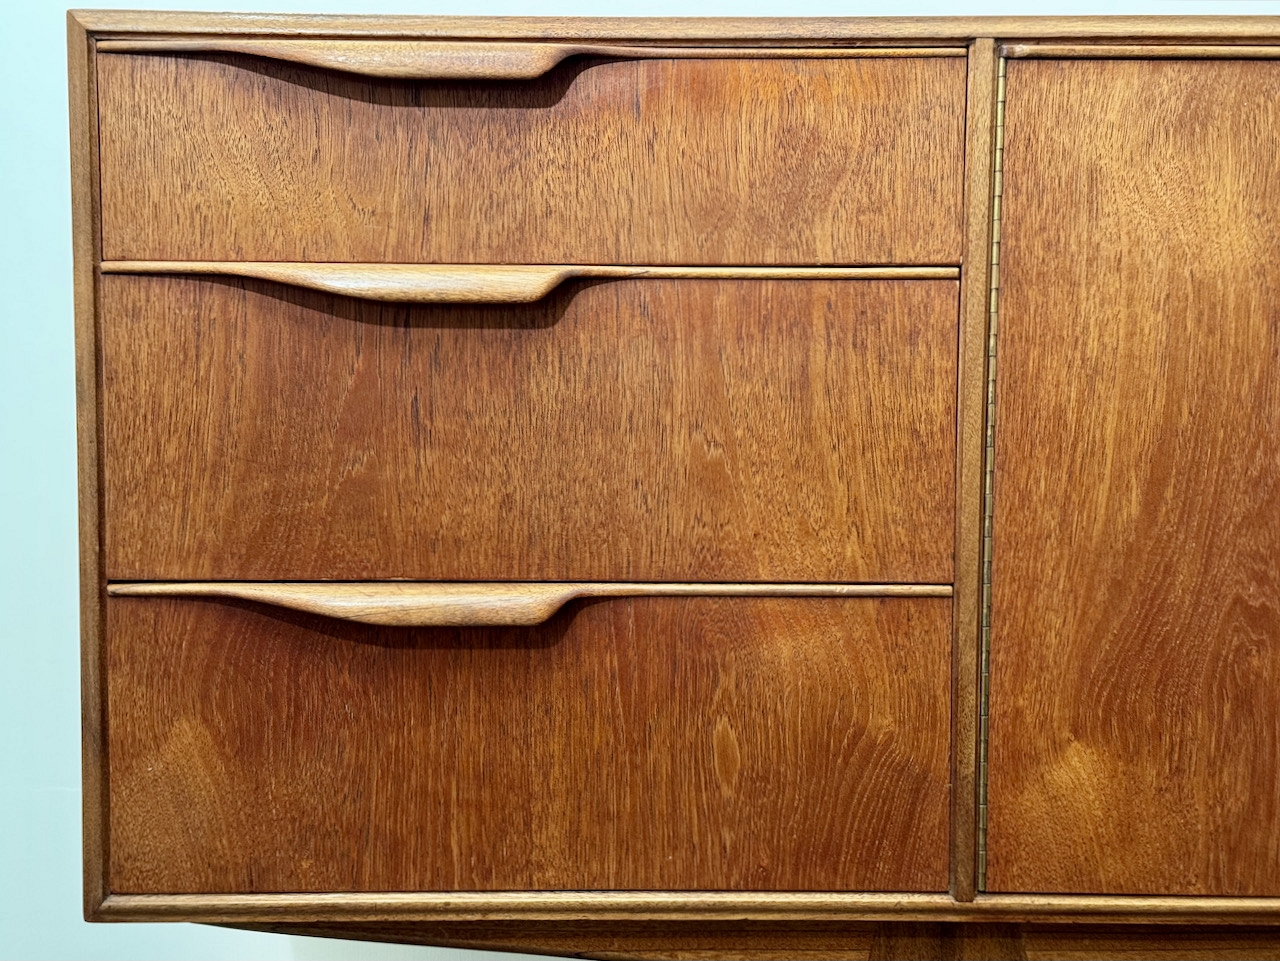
39	661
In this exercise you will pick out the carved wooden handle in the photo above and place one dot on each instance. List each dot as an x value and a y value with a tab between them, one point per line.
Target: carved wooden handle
471	60
433	604
489	283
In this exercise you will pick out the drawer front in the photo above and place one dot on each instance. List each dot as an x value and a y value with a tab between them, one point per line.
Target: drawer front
636	430
228	157
669	744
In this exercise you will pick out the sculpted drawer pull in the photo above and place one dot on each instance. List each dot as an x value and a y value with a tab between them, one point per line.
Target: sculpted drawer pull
448	60
479	604
491	283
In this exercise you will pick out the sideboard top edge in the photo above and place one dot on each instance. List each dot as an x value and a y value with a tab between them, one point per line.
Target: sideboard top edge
133	22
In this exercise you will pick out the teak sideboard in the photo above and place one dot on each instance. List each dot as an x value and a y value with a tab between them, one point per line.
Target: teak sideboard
682	488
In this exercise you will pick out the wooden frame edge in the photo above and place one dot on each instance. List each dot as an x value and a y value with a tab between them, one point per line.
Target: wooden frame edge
851	29
86	250
971	378
690	906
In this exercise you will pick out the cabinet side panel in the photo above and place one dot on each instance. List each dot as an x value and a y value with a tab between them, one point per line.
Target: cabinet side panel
1135	653
85	232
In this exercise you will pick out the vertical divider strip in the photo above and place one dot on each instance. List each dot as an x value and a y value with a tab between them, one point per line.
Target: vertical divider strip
971	412
988	492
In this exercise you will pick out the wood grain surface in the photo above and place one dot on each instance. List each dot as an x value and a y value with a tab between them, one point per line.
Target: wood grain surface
840	161
1135	699
635	430
653	743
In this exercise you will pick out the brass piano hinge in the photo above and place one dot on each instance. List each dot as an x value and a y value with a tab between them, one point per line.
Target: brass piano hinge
988	502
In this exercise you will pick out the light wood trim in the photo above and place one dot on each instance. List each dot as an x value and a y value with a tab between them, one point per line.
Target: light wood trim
471	60
480	604
491	283
971	402
1124	909
86	250
531	905
689	29
684	906
1150	51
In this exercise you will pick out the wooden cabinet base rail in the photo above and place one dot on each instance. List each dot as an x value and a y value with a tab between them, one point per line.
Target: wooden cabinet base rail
683	906
398	604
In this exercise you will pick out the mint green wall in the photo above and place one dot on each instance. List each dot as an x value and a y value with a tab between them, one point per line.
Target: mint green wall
39	664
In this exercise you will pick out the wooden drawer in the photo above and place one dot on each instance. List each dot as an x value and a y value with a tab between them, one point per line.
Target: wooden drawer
653	743
695	429
835	159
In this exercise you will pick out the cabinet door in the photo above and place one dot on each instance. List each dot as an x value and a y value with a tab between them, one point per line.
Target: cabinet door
1135	647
